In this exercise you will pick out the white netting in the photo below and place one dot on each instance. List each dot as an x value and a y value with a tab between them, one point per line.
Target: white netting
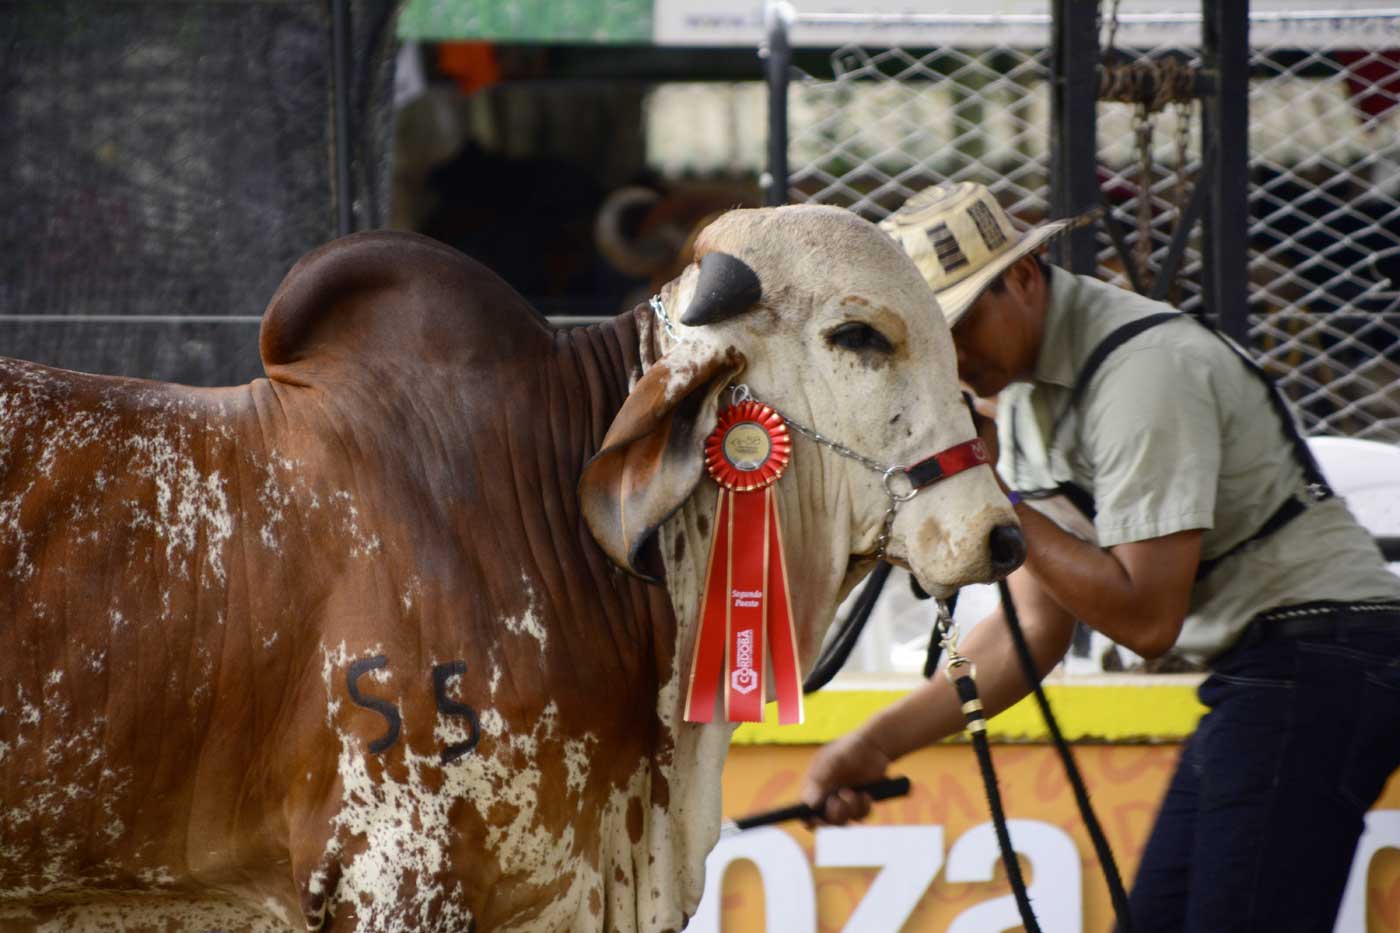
1325	234
890	123
1324	188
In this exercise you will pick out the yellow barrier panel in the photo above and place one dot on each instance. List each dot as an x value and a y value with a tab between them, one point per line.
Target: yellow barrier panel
928	862
1103	708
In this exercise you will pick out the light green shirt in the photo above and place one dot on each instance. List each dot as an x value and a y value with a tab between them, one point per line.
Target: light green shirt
1174	433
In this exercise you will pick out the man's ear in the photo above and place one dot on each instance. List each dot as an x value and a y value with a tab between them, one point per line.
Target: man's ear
1023	276
653	455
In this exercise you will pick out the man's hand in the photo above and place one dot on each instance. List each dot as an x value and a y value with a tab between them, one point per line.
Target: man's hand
847	761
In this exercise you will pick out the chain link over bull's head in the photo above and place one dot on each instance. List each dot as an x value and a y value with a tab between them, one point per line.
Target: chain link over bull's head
829	322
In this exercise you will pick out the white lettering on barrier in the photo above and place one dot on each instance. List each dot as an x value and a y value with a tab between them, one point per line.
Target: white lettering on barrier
789	896
910	857
1056	888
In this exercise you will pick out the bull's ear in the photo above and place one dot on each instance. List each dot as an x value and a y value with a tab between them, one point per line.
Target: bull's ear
653	455
726	287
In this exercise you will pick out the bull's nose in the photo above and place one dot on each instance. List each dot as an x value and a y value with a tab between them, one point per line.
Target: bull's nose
1007	547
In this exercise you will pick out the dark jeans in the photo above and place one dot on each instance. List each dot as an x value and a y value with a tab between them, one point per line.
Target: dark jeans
1258	827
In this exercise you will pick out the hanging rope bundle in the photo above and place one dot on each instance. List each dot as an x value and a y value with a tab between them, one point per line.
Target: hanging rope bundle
1151	85
1150	82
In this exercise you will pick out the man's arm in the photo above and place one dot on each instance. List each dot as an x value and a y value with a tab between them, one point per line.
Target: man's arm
1136	593
934	711
1152	427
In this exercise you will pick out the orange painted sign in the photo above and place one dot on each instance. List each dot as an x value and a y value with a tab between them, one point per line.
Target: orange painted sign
929	861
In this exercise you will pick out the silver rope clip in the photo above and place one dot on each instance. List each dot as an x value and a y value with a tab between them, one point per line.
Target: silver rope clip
948	638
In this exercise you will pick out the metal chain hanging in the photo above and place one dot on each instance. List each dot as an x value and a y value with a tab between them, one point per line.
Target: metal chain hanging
1183	110
1151	85
1145	124
1110	49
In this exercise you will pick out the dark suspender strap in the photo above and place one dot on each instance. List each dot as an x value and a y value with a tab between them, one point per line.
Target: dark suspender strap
1312	473
1307	463
1292	507
1110	343
1078	496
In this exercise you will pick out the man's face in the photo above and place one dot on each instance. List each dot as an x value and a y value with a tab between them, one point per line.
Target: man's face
987	338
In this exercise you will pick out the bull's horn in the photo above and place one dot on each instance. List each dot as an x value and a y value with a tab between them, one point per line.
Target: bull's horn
727	287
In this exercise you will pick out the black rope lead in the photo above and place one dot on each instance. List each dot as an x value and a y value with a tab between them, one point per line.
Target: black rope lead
838	648
962	673
1076	780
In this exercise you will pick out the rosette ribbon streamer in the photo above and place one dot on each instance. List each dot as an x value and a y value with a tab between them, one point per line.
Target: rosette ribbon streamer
746	610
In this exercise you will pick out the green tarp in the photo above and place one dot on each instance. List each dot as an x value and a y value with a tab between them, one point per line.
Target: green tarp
570	21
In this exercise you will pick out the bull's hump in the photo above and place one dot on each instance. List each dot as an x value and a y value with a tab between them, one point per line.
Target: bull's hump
383	300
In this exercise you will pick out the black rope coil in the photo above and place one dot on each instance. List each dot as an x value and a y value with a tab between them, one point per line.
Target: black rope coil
1116	891
966	688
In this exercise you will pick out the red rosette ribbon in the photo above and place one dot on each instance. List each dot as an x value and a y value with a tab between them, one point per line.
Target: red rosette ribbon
746	605
749	448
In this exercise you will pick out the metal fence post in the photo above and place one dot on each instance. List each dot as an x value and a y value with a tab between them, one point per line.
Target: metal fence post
340	73
777	50
1074	184
1225	54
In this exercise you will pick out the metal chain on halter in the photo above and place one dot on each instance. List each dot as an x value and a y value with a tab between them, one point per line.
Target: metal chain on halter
659	309
889	473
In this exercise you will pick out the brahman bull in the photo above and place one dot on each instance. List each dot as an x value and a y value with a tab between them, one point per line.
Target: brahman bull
349	649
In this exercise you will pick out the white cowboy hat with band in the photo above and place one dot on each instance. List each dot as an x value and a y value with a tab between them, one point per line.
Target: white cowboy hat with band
961	240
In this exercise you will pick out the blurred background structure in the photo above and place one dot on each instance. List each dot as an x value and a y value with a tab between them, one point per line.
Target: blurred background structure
164	164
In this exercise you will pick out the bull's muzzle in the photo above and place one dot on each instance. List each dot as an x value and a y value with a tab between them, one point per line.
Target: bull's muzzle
1006	549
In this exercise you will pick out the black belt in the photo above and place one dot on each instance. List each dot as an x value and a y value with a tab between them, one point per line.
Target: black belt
1323	620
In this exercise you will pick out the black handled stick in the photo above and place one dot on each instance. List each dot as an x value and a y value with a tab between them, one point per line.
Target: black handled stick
878	790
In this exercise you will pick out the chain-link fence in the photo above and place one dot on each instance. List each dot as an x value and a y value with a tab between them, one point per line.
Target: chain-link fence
1324	191
1325	233
163	165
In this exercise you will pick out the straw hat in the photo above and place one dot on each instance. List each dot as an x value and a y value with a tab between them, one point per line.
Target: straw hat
961	240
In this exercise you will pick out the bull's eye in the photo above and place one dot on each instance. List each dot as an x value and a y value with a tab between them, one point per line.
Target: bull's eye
859	337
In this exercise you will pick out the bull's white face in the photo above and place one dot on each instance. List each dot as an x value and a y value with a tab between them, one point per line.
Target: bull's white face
848	340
